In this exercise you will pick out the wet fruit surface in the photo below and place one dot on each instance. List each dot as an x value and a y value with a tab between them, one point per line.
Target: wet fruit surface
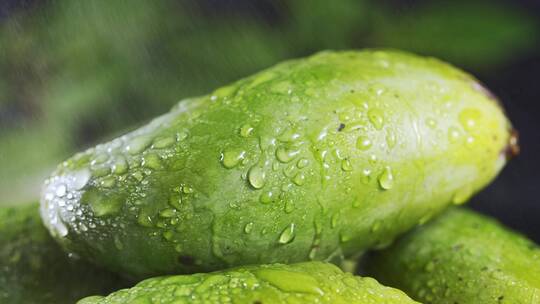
316	158
312	282
461	257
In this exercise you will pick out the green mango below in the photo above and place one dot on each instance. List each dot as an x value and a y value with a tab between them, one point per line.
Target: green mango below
310	282
462	257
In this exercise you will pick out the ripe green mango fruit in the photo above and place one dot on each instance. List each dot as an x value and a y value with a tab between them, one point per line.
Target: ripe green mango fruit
309	282
461	257
34	269
312	159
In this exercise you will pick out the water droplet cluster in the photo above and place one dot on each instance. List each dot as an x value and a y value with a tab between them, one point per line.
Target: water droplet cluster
60	202
70	199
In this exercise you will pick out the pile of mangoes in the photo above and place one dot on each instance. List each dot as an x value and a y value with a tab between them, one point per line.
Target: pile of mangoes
251	193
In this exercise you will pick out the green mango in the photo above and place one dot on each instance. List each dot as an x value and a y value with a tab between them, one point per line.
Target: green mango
313	159
34	269
461	257
309	282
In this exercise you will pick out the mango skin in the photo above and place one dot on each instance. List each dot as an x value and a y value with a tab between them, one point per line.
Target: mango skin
34	269
309	282
313	159
462	257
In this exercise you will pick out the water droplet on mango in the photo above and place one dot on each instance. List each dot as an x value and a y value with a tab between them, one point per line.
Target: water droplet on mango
299	179
391	139
246	130
335	219
453	134
386	179
248	228
164	142
289	281
144	219
108	182
138	144
287	235
289	207
289	136
232	158
375	116
102	205
346	165
120	165
152	161
431	123
187	189
285	155
469	143
469	118
256	177
302	163
267	197
363	143
167	213
61	190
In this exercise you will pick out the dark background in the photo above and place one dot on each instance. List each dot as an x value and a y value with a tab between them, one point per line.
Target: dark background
73	73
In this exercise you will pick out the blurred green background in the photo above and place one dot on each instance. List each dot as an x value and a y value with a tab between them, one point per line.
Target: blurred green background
74	73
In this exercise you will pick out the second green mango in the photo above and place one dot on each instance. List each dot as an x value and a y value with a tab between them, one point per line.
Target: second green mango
461	257
311	282
313	159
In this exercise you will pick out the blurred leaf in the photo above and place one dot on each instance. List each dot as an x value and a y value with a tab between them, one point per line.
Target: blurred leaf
472	34
315	25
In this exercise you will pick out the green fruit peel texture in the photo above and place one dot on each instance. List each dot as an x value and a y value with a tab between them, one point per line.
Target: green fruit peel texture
310	282
462	257
312	159
34	269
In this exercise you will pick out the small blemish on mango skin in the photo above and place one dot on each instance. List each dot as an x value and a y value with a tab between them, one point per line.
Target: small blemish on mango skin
512	149
186	260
